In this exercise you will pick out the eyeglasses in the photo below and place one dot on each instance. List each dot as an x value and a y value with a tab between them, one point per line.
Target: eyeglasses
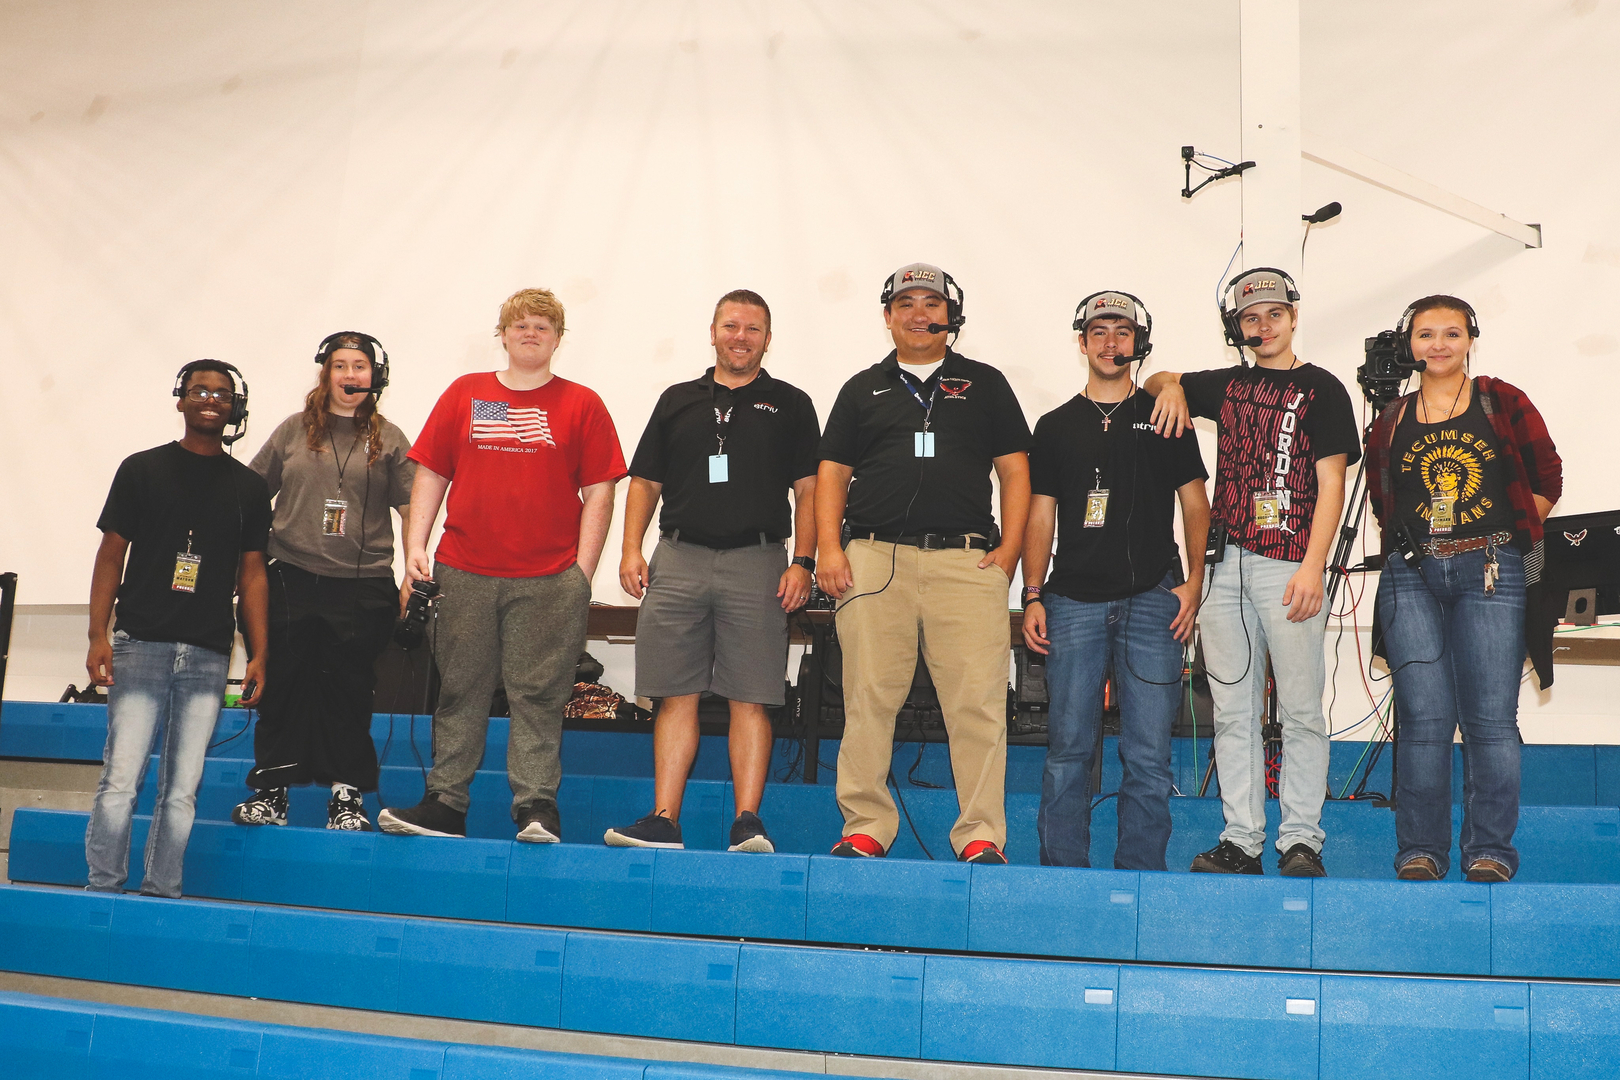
202	393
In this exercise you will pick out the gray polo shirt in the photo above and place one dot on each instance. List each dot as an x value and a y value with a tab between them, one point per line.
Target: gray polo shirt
303	481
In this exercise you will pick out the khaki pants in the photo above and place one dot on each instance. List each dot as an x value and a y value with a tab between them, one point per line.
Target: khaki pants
958	613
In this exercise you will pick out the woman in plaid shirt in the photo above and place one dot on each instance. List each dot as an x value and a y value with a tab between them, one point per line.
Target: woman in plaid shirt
1462	474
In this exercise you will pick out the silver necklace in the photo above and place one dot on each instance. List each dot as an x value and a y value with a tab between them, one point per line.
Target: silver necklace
1107	414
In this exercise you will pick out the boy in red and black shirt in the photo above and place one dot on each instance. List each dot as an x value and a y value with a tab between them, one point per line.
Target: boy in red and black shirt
530	461
1287	432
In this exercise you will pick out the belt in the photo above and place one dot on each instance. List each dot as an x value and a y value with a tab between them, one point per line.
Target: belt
932	541
722	543
1444	548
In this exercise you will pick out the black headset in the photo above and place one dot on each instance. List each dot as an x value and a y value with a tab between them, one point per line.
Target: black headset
239	394
951	291
1142	318
1232	306
1403	328
368	345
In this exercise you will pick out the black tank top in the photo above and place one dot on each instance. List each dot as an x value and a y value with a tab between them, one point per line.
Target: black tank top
1454	466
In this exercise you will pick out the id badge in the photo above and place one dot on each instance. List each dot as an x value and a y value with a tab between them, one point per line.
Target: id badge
186	569
719	471
335	518
1442	514
923	444
1096	508
1267	510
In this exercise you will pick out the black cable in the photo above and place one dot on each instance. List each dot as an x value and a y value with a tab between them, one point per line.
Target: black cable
896	785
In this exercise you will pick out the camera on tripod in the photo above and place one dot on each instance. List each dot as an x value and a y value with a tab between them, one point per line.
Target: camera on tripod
1384	371
412	627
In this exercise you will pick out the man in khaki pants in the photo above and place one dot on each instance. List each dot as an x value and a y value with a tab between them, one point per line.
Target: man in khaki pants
918	434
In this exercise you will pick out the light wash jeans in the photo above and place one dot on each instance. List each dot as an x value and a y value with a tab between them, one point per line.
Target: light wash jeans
155	683
1244	619
1133	635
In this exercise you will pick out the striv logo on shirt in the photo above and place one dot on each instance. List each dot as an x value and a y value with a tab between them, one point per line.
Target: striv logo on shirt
767	408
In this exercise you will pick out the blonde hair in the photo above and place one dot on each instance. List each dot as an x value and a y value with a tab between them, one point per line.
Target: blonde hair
527	302
318	401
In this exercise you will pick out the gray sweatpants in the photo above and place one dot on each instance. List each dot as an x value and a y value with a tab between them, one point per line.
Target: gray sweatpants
527	632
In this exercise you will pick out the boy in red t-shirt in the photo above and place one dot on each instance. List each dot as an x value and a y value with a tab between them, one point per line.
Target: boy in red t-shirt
530	461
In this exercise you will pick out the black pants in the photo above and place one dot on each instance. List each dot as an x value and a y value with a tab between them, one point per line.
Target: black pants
315	720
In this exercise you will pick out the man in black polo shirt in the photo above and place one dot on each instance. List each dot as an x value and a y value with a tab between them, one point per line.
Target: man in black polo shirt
906	460
722	451
1117	598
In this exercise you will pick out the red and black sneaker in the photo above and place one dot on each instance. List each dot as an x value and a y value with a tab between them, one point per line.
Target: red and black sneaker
859	845
982	851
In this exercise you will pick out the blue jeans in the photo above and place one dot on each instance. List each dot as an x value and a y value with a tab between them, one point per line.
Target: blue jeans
1133	634
1457	656
1244	621
181	688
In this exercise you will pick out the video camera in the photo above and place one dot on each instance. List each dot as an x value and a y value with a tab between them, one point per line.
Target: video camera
1383	372
412	627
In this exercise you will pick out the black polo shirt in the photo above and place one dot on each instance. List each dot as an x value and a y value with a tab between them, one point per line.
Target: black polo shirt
873	427
771	443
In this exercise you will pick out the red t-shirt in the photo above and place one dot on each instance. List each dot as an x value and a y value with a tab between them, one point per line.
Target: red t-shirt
516	460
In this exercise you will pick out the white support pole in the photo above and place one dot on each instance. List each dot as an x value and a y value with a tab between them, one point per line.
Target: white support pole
1354	163
1268	45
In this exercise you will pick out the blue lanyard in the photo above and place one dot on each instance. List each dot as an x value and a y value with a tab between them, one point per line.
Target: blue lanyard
916	392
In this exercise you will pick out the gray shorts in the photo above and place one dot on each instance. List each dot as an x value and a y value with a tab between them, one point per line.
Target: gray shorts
711	620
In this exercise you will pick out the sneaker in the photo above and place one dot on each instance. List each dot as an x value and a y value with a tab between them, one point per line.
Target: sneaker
344	810
654	830
1421	868
982	851
430	817
858	845
1488	870
1226	858
748	834
538	822
268	807
1301	860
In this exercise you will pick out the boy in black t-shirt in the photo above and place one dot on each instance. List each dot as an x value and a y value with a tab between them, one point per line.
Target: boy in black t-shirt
1286	434
1117	598
194	523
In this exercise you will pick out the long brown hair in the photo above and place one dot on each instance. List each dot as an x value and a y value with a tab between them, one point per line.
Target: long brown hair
318	401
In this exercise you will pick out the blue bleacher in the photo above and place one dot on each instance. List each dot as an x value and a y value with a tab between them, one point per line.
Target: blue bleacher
1136	1017
1552	775
1328	924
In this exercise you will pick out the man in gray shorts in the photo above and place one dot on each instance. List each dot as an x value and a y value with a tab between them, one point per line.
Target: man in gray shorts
722	451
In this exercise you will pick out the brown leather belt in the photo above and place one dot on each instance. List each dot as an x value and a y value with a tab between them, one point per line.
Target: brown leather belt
1445	548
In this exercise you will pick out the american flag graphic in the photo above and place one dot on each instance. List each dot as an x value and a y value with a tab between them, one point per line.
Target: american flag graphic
498	420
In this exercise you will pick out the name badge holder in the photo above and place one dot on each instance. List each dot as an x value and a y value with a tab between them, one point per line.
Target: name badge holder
922	445
335	517
719	467
1096	505
187	567
1268	509
1442	514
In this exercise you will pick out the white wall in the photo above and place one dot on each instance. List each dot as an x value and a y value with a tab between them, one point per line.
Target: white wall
183	179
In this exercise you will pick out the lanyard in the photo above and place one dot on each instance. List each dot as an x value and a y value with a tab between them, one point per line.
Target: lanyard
916	392
344	463
722	421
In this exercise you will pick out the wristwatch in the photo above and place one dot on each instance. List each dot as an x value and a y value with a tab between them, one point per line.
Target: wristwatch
1032	593
805	561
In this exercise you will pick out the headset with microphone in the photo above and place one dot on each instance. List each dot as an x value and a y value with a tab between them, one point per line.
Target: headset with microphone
1403	328
367	344
921	276
1232	302
239	394
1139	315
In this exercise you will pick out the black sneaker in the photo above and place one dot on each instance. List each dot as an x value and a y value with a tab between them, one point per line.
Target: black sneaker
538	822
748	834
654	830
345	812
430	817
1301	860
266	808
1226	858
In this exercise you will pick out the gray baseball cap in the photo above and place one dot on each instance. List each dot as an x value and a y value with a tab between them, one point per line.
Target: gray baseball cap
1261	285
1109	305
915	276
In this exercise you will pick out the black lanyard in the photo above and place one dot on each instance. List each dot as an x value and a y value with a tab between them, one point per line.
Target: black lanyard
916	392
344	463
722	421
